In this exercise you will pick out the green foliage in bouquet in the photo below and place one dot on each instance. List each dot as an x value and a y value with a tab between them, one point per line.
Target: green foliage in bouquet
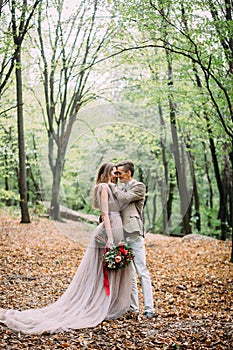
118	257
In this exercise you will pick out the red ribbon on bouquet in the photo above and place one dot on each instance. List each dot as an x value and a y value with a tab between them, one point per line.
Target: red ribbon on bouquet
105	272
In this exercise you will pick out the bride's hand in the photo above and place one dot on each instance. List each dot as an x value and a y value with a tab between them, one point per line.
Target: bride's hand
109	244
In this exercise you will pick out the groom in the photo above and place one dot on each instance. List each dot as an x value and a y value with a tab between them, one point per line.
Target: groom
132	196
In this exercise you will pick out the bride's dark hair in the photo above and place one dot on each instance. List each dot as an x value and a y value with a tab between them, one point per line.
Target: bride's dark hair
102	177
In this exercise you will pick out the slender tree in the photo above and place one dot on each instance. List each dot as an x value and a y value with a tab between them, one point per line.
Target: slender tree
76	44
185	200
18	35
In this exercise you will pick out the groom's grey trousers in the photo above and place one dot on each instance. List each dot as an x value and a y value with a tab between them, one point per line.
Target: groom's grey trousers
138	245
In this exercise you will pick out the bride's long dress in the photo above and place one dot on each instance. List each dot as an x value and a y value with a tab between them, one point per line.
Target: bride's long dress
85	303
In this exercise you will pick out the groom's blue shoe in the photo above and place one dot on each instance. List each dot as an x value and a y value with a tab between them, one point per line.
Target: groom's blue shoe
148	314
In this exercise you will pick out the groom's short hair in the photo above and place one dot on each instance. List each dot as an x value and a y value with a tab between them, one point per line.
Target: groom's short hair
127	166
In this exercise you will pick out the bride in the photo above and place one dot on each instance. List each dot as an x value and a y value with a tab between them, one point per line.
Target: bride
85	303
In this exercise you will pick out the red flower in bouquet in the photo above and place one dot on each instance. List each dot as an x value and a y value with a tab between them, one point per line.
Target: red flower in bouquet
118	257
123	251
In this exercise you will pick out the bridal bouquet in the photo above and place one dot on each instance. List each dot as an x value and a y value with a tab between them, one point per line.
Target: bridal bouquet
118	257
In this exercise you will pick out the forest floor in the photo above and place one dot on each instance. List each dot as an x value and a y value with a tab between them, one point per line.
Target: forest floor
192	284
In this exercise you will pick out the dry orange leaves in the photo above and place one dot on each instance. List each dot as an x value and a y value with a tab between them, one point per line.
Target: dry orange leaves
192	284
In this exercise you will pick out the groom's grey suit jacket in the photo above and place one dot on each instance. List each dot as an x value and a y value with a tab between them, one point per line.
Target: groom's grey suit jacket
132	202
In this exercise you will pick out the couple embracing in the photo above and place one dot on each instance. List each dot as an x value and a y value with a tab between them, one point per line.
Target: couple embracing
85	303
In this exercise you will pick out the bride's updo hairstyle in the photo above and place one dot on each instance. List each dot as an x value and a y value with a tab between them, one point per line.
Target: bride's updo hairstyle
102	177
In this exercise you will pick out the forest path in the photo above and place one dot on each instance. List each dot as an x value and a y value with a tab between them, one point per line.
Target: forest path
79	226
81	232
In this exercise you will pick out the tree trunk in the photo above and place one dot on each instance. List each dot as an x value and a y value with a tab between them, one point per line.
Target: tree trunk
222	205
196	203
164	183
180	169
6	178
154	206
22	166
195	190
57	175
39	183
231	196
170	199
35	184
226	182
6	166
210	203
